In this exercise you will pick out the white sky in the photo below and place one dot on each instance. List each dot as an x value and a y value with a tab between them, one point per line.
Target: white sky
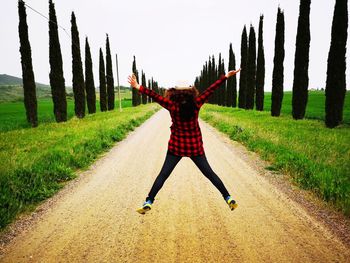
171	39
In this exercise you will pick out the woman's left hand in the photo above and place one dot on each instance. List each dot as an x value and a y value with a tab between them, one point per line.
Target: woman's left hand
133	82
232	73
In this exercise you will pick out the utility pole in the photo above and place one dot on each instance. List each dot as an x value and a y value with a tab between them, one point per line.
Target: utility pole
120	102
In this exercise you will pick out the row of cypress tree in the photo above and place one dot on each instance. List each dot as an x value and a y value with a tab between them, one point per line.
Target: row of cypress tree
251	84
211	71
138	98
84	90
336	65
252	75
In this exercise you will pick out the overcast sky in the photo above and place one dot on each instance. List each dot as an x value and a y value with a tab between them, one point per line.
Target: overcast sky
171	39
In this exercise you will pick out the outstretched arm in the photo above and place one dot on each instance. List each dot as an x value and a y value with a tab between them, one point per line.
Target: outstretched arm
202	98
164	102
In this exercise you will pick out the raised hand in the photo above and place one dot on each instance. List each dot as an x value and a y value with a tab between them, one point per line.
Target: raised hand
232	73
133	82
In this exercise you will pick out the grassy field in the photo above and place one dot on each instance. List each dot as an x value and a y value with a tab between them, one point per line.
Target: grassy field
315	107
36	162
12	114
316	157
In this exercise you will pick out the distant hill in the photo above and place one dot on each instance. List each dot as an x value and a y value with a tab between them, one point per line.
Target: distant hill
11	89
11	80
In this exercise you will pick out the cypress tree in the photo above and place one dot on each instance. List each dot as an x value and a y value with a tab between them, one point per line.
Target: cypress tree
336	80
204	78
154	88
150	87
213	77
277	75
223	93
251	69
57	84
243	72
260	69
30	102
231	99
78	76
103	89
301	62
143	83
196	83
218	91
135	94
159	91
89	80
109	77
209	79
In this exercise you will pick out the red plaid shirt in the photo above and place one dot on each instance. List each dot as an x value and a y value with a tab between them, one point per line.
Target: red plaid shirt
186	136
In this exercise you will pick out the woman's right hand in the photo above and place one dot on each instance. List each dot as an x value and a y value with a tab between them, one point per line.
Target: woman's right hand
133	82
232	73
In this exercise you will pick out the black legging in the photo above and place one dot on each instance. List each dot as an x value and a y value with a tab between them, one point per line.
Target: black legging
171	161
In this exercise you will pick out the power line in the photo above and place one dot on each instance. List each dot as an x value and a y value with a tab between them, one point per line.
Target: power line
65	31
50	21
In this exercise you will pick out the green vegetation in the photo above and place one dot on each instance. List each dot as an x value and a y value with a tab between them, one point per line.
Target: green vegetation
251	69
301	61
243	74
37	161
30	101
57	81
315	108
316	158
8	80
143	83
77	70
278	68
12	114
231	87
219	96
109	77
89	80
136	97
260	68
10	93
102	86
336	65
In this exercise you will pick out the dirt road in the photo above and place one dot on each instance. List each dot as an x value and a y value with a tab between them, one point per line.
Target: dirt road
94	219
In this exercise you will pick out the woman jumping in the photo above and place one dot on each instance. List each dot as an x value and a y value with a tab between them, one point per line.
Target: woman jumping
186	138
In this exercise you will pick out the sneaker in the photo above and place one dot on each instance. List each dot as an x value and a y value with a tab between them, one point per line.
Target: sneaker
231	203
145	207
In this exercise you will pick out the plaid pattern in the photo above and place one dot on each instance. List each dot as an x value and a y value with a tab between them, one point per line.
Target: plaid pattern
186	136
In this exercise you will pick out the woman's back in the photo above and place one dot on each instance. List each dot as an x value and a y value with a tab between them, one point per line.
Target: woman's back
186	136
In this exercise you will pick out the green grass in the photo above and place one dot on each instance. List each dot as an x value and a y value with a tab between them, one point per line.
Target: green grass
315	108
316	157
12	93
35	162
13	116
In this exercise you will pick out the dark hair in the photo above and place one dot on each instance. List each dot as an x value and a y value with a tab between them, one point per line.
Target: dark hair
186	100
